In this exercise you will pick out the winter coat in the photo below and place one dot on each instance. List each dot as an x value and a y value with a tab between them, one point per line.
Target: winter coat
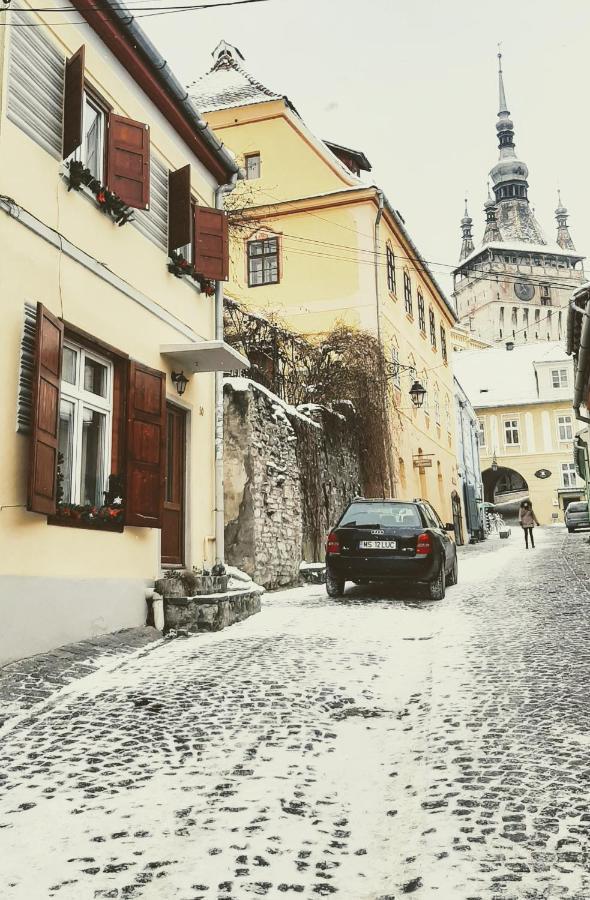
527	518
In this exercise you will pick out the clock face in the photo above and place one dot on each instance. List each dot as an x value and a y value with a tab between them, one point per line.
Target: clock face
524	291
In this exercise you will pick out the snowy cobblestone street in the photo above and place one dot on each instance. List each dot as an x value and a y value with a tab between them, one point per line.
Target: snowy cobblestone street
366	748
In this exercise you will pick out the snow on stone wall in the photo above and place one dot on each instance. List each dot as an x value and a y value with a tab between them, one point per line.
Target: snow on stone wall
288	475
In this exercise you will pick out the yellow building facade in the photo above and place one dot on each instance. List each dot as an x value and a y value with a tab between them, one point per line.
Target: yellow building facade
94	326
522	398
317	246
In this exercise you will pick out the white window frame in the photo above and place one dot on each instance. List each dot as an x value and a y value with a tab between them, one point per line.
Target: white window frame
511	426
75	393
565	424
481	433
80	153
562	378
252	158
568	475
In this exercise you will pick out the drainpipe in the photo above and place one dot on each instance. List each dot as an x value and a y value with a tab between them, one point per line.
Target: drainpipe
221	191
377	300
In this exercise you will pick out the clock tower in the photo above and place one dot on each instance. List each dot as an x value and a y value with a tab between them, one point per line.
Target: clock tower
516	285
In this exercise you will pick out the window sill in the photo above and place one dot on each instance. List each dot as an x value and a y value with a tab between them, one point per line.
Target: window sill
409	317
69	522
264	284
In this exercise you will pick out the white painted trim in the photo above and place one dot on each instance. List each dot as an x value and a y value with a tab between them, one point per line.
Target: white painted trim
529	427
57	240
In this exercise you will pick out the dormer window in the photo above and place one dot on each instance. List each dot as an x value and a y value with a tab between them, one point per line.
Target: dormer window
252	166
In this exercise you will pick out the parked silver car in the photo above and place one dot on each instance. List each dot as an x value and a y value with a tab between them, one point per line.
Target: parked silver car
576	516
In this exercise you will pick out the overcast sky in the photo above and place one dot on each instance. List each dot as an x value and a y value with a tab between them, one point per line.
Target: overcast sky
414	86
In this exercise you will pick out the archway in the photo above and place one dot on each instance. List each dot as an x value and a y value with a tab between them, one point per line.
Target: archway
505	488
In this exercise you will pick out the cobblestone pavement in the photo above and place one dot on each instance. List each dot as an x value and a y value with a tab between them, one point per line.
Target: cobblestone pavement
29	681
366	748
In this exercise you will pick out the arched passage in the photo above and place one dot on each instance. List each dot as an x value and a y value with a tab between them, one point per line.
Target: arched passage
505	488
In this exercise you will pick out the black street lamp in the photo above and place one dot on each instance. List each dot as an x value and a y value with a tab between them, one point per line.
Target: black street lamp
180	382
494	463
417	393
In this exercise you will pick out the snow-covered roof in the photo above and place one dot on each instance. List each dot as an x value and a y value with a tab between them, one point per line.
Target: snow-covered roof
228	84
499	377
519	247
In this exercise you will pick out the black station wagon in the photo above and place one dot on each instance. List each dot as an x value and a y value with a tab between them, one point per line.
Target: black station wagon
391	541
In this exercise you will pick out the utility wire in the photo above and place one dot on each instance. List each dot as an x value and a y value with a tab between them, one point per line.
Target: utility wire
143	12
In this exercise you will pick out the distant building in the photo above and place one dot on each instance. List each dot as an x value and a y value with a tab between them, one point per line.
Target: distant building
522	398
321	247
578	346
515	285
463	339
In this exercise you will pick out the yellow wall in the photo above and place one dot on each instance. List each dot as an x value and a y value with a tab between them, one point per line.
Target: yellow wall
539	448
34	270
326	232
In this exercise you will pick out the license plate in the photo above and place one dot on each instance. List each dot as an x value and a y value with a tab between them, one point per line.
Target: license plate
378	545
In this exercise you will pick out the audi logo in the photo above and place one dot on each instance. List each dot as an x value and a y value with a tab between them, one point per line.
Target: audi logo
377	532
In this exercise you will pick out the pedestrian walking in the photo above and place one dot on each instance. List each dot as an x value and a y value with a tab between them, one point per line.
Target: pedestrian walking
528	520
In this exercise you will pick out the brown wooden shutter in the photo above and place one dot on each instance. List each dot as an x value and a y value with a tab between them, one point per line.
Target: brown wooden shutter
179	208
146	442
211	248
128	161
41	492
73	112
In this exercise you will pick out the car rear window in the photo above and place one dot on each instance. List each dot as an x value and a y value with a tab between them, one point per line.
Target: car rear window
380	515
578	507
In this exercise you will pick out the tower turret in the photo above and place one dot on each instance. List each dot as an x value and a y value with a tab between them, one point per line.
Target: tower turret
467	243
564	238
492	232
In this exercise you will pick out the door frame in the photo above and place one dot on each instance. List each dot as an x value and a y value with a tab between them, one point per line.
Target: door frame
186	539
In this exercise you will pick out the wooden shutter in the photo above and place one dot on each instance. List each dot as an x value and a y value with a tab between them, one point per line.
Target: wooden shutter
179	208
211	249
128	161
146	442
41	492
73	103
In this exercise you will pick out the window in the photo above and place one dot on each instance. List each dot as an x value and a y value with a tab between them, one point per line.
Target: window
564	428
568	474
421	312
85	414
408	294
511	432
252	166
432	328
443	343
448	412
263	262
395	367
91	152
437	406
481	432
559	378
545	291
390	268
426	403
514	316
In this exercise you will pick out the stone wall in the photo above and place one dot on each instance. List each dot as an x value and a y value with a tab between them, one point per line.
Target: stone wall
288	474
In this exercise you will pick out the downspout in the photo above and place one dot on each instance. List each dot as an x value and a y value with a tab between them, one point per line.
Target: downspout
220	193
377	298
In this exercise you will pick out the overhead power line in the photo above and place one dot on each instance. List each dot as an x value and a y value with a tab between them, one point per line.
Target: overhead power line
139	12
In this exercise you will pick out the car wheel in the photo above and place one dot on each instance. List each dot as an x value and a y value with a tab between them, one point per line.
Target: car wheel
454	573
436	589
334	586
569	530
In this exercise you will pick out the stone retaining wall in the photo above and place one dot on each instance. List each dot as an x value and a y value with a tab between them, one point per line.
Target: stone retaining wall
288	474
211	613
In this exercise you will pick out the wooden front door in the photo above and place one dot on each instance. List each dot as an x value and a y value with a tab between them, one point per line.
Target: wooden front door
173	513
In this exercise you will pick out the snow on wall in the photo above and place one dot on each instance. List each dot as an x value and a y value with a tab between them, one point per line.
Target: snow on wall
274	510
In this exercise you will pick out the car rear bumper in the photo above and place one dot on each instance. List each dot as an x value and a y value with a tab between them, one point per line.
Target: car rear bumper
383	568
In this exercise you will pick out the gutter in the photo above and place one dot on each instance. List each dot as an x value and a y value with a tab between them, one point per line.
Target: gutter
138	43
381	198
219	488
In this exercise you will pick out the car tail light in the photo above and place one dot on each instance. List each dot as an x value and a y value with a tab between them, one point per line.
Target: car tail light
332	544
423	545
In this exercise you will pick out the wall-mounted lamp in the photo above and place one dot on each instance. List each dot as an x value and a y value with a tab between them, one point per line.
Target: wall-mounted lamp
494	463
417	393
180	382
